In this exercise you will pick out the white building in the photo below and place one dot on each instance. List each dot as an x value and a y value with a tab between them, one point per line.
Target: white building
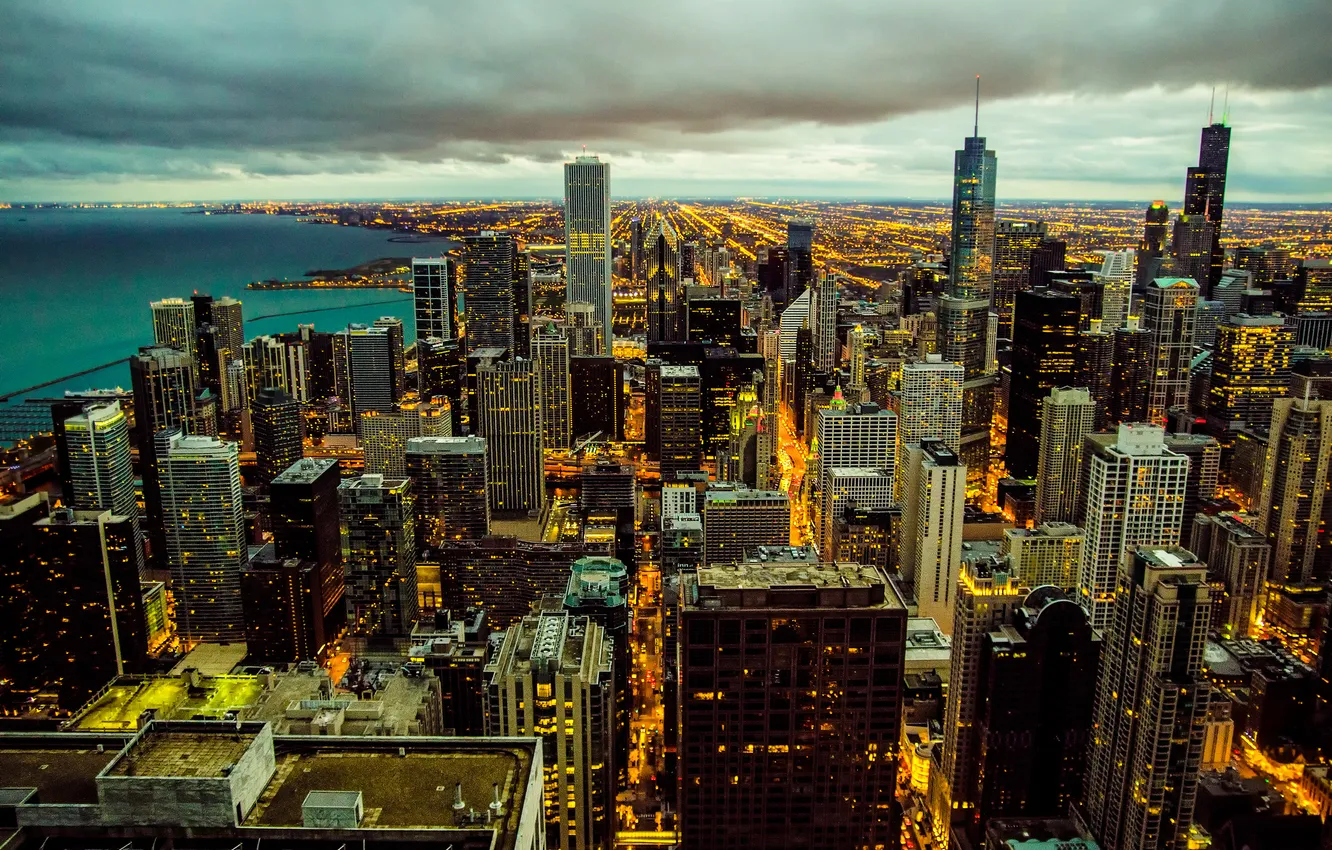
173	324
929	406
550	357
931	539
1067	416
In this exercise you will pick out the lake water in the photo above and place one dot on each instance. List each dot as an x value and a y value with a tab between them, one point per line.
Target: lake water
75	283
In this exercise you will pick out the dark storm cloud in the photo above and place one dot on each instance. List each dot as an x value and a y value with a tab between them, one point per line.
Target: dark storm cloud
280	88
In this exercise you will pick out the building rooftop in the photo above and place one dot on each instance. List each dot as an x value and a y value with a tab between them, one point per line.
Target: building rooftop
782	555
212	659
169	752
121	705
679	371
305	470
62	767
1046	529
415	790
724	495
777	574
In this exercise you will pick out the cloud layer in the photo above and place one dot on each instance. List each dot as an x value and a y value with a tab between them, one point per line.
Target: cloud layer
854	97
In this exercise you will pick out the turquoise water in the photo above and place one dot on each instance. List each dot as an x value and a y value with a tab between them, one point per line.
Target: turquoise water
75	283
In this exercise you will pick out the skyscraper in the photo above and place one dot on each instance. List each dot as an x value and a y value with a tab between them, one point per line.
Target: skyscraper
986	597
378	520
737	520
972	244
1250	371
434	296
1045	342
1169	311
587	238
449	479
1135	489
598	386
1013	244
752	781
1152	247
71	614
1294	508
101	471
206	546
679	421
1151	703
931	541
664	279
276	419
799	258
363	358
1205	193
824	324
384	436
1239	559
553	678
1131	372
1050	553
510	420
855	343
857	435
173	324
270	361
929	404
1067	416
550	358
163	381
303	503
488	294
857	488
1096	369
1035	691
397	353
1116	281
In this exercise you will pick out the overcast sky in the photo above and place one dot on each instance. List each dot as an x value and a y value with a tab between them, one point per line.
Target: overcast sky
1082	99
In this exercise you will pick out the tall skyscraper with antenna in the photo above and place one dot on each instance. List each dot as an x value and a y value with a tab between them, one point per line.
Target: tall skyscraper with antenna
1205	193
963	313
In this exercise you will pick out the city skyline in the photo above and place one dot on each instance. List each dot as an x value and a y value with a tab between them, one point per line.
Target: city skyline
171	106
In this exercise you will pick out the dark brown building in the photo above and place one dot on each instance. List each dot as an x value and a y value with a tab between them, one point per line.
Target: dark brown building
790	706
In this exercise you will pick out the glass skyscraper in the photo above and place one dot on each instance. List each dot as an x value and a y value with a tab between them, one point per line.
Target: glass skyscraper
587	238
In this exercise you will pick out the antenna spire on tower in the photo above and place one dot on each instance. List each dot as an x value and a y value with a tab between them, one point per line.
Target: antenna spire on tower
1211	106
1225	106
975	130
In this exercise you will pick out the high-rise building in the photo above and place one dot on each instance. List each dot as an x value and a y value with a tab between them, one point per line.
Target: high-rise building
1204	456
856	435
1096	369
737	520
550	358
1266	264
1151	704
1067	416
276	420
1035	691
449	480
929	405
1295	509
1116	281
553	678
439	374
1045	342
1169	310
270	361
1134	492
678	425
205	535
303	503
1205	195
856	342
71	611
435	299
799	258
599	590
987	595
855	488
101	471
1013	244
665	281
163	381
174	324
1049	554
1152	247
1250	371
488	290
225	314
1191	246
363	359
635	249
931	539
284	620
972	244
1130	379
1239	559
752	781
397	353
587	238
824	324
598	386
510	420
384	436
378	521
